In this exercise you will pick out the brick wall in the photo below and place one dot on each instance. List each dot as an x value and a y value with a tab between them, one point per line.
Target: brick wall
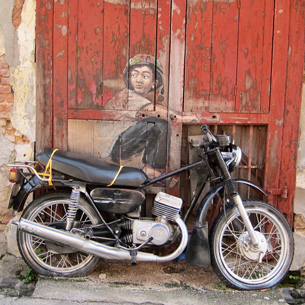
6	92
17	91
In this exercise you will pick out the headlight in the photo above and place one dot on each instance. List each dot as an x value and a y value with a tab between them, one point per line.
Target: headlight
236	155
232	156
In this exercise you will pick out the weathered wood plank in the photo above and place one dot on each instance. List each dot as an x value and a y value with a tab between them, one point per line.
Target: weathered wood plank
60	75
177	55
163	48
253	58
73	58
143	32
116	48
293	100
184	118
89	42
224	56
267	56
44	85
198	56
277	98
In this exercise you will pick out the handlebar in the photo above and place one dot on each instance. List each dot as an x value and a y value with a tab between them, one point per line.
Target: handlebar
204	129
213	141
209	139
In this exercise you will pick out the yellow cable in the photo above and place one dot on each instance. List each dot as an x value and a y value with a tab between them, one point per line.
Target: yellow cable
116	176
49	168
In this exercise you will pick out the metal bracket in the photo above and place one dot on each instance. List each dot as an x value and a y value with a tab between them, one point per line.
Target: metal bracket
283	192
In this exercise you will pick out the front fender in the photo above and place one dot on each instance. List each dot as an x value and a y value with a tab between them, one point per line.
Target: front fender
198	249
16	201
206	201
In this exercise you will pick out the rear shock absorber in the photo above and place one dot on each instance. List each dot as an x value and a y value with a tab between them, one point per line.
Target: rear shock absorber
72	208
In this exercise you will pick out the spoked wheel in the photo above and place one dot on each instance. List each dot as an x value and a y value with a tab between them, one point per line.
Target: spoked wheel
234	257
48	258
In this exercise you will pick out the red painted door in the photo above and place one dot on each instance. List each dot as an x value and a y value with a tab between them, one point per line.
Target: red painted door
131	81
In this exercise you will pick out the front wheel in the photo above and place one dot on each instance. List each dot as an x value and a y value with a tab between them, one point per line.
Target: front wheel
237	261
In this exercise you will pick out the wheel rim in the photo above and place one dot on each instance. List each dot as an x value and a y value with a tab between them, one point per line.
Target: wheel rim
48	255
232	250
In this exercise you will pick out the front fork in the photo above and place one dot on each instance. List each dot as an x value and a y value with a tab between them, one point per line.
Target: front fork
236	198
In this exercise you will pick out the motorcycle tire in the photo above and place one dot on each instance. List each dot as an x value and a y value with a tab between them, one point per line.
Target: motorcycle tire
234	258
50	259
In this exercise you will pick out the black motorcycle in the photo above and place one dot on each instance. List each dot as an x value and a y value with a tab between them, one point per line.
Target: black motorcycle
89	209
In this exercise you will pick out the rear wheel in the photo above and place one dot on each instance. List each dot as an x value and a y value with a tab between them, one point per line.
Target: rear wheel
237	261
48	258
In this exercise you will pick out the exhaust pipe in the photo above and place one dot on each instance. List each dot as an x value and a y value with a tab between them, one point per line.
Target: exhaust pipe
91	247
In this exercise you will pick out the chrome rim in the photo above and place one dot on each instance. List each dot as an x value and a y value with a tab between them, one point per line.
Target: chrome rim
238	256
49	255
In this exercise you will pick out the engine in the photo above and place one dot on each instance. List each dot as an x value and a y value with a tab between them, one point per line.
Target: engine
166	208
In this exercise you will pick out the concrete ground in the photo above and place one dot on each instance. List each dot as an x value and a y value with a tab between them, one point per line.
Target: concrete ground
119	283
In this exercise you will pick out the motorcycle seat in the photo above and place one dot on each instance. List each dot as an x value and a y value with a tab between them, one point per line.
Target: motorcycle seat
90	169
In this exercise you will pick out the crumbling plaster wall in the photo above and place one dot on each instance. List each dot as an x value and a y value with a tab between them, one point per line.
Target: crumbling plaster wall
17	90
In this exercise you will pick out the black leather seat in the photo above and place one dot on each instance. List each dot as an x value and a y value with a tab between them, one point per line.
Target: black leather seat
91	169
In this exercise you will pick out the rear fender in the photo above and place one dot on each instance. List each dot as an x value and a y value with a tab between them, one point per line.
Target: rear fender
17	200
198	249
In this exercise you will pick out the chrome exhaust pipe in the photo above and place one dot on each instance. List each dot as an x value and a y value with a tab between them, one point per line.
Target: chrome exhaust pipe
91	247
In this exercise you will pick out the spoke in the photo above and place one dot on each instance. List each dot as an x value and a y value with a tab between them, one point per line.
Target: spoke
84	218
276	259
232	232
38	244
64	261
56	211
242	262
230	250
52	218
46	256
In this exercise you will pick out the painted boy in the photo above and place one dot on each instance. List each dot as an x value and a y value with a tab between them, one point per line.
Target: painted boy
143	75
146	138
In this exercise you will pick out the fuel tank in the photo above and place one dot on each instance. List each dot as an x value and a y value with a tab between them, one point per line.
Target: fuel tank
116	200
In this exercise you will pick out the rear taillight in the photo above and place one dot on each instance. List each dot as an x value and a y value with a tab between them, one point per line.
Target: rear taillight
14	175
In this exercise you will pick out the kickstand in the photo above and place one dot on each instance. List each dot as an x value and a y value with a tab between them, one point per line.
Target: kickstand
134	251
133	254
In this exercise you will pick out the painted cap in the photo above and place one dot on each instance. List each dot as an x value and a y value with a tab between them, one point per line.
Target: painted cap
147	60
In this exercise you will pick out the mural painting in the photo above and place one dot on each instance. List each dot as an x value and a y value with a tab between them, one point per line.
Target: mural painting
141	141
143	76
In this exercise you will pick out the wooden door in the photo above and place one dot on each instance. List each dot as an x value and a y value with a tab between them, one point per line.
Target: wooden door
230	64
117	81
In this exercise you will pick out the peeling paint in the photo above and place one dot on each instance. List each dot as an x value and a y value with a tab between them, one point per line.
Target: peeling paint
2	43
9	32
26	33
17	124
23	114
7	147
64	30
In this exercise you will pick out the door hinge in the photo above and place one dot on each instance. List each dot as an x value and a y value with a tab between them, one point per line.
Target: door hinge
283	192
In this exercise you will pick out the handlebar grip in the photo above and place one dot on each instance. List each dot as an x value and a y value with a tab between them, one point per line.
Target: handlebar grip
204	129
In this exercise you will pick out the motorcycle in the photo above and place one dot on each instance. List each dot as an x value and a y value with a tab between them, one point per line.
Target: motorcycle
91	209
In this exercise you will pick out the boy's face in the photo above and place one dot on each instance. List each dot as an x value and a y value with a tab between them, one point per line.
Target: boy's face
142	79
